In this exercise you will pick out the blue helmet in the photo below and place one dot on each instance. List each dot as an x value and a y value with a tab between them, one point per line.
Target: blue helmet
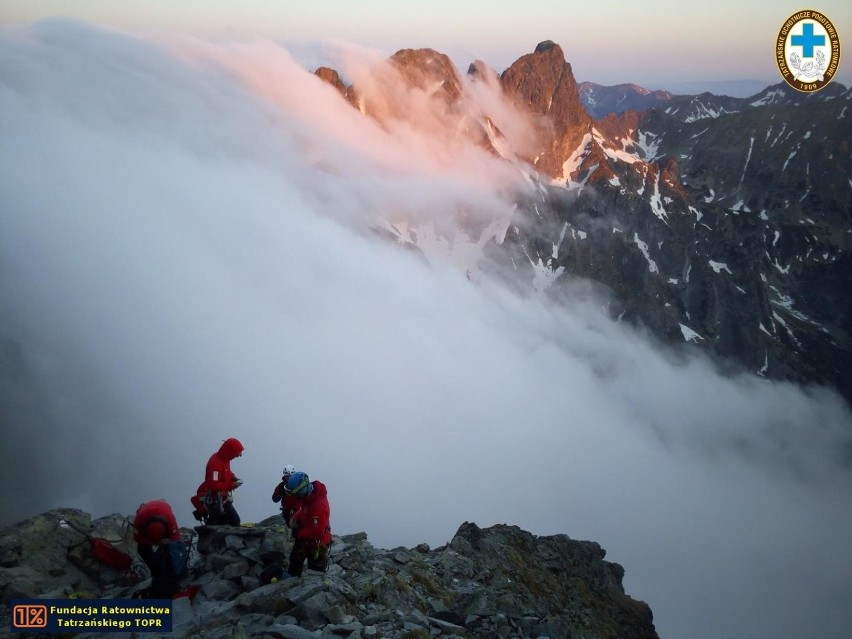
299	484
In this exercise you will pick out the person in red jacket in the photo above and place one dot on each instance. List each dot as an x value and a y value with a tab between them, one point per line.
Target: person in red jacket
311	524
214	500
289	503
158	542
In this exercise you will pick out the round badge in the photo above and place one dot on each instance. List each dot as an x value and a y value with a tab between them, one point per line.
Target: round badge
808	51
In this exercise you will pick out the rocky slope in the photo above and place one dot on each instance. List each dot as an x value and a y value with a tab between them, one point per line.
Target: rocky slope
719	222
600	101
494	582
731	232
543	83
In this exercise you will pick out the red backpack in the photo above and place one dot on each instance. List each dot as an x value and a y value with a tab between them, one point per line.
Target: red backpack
108	554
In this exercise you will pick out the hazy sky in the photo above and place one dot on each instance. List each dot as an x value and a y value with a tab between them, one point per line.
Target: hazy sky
658	44
180	263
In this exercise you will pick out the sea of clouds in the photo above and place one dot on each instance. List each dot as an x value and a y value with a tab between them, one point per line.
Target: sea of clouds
184	257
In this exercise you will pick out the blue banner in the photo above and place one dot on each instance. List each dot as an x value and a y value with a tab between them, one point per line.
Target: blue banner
91	615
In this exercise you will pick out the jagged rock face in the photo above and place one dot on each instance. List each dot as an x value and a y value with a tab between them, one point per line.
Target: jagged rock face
428	70
494	582
331	76
553	577
780	176
719	221
420	86
731	232
542	82
479	70
423	88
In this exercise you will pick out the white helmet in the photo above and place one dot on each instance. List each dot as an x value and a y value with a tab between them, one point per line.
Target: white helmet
289	470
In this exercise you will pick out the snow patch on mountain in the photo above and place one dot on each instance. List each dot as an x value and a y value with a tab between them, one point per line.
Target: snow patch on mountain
648	144
613	154
784	270
765	367
570	166
439	247
748	159
770	97
652	265
790	332
543	274
689	335
718	267
790	157
656	202
497	141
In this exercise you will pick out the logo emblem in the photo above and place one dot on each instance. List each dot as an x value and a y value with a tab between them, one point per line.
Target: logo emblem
807	51
29	616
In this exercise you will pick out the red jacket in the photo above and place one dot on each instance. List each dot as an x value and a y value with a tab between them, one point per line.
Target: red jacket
154	523
313	518
218	476
289	503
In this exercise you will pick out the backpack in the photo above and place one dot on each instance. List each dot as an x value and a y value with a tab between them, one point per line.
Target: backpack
106	553
179	555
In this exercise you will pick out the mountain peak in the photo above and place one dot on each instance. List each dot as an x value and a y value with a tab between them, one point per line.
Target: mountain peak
480	69
423	68
543	84
547	45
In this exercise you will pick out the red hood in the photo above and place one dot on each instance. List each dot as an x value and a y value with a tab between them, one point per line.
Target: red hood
319	490
231	448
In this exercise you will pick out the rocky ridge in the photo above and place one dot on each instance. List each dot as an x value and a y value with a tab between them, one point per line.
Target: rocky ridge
716	222
543	83
493	582
599	101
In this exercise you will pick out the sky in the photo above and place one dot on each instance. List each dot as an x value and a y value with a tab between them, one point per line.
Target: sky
656	44
183	259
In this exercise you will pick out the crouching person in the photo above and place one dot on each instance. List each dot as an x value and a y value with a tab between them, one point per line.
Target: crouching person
310	523
158	541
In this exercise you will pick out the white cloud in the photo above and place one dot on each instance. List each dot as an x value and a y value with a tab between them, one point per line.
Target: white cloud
173	271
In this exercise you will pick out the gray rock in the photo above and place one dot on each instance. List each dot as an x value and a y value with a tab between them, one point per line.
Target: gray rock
445	626
344	629
183	614
319	610
493	582
235	542
289	632
221	589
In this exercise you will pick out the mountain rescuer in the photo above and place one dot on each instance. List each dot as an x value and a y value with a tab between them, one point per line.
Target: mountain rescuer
158	541
310	524
214	500
289	503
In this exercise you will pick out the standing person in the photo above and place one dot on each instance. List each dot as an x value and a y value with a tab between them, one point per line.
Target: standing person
216	491
289	503
158	542
311	524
